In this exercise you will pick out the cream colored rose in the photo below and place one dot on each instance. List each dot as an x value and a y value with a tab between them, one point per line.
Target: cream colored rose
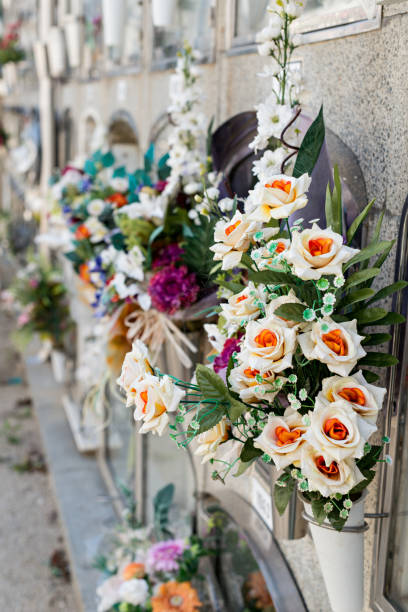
232	238
271	255
315	253
280	198
337	431
268	346
154	398
282	439
365	399
135	366
209	441
327	475
243	380
338	345
279	301
242	307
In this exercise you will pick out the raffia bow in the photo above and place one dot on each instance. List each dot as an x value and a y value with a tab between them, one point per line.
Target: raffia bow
154	328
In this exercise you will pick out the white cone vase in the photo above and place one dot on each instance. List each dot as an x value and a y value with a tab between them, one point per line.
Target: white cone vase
10	74
113	12
163	12
75	40
41	59
58	363
56	52
341	558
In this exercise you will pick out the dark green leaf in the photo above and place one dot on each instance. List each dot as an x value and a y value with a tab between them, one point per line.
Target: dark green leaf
318	510
370	377
369	460
374	339
208	416
236	409
329	207
337	205
118	241
351	232
119	172
211	385
108	159
379	262
209	137
391	318
149	159
242	467
360	277
379	360
372	249
359	295
387	291
291	312
249	451
282	495
270	277
197	254
310	148
369	315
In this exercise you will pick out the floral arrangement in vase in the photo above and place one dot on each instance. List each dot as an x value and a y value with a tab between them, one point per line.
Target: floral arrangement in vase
42	296
287	382
150	569
9	45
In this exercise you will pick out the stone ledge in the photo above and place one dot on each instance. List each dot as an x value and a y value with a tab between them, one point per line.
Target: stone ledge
85	510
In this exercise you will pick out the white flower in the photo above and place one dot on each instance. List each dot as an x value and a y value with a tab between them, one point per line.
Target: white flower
365	399
337	431
280	198
131	263
215	337
226	204
134	368
268	346
338	345
271	255
108	592
109	255
315	253
282	439
294	8
271	31
95	207
328	477
154	398
242	307
232	238
209	441
97	229
269	165
134	591
272	117
122	288
264	49
120	184
243	380
279	301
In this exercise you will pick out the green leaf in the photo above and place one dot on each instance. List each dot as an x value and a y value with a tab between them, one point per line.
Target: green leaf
232	286
318	510
149	159
211	385
359	295
329	207
249	451
369	460
236	409
379	360
209	137
270	277
282	495
243	466
372	249
360	277
336	521
337	206
379	262
374	339
369	315
363	484
291	312
387	291
118	241
310	148
391	318
351	232
119	172
208	416
370	377
108	159
197	254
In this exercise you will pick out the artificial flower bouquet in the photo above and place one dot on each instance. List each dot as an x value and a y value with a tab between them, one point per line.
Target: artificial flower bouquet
42	296
148	568
10	51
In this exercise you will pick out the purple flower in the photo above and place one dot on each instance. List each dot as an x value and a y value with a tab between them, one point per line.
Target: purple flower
173	288
232	345
165	556
167	256
85	185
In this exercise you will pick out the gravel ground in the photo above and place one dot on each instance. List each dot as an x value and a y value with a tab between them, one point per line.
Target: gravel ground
34	574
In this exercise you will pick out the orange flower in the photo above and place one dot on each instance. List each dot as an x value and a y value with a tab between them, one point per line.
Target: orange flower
285	436
320	246
82	232
331	471
231	228
133	570
280	184
176	597
266	338
84	273
335	342
353	394
335	429
118	199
